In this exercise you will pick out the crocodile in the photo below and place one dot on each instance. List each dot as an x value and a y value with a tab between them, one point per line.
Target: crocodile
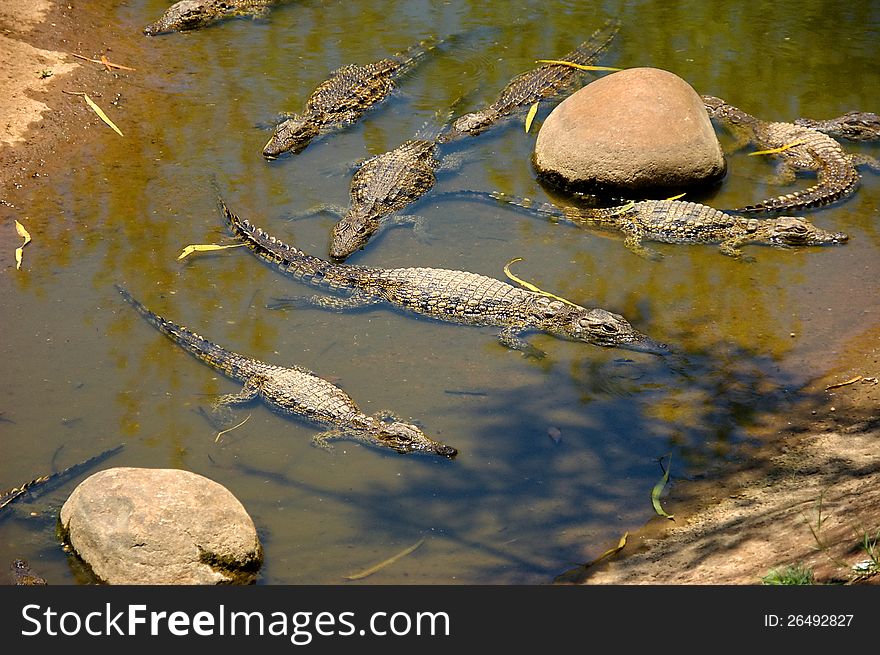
852	126
679	222
534	85
297	391
24	575
446	295
343	98
44	482
799	149
382	185
194	14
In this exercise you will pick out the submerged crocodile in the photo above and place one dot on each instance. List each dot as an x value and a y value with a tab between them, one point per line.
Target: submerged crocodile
534	85
193	14
799	149
297	391
852	126
677	221
445	295
343	98
23	575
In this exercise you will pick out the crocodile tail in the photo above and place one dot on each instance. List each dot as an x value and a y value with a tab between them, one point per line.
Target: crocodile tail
409	57
590	50
817	195
288	259
544	208
228	362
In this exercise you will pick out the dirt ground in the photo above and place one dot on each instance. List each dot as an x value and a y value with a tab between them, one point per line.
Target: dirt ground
809	497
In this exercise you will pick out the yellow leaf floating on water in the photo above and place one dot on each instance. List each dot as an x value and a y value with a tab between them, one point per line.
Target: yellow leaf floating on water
658	489
773	151
582	67
532	287
24	234
222	432
531	115
578	574
205	247
382	565
101	114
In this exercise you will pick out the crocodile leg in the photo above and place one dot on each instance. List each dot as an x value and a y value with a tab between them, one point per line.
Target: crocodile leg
220	414
730	247
322	439
633	242
335	210
509	336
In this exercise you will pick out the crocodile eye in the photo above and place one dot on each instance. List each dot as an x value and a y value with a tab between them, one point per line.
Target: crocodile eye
360	229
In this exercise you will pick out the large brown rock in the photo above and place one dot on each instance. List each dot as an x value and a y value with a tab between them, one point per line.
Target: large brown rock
640	131
160	526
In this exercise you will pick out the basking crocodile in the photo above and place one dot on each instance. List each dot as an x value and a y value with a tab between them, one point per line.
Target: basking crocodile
537	84
297	391
800	149
445	295
677	221
343	98
852	126
23	575
193	14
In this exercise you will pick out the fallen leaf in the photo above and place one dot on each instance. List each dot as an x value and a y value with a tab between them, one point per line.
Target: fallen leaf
578	574
103	61
680	195
773	151
19	252
658	489
531	115
205	247
843	384
101	114
222	432
532	287
383	564
582	67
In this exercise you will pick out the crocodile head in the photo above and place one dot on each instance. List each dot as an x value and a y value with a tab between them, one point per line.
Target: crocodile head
187	15
720	110
794	231
596	326
351	234
472	123
853	126
406	438
292	135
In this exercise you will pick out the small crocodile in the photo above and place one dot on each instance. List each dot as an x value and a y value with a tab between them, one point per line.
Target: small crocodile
852	126
677	221
343	98
193	14
23	575
384	184
445	295
297	391
534	85
799	149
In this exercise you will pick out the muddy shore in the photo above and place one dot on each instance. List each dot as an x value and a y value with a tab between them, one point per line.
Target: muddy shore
807	497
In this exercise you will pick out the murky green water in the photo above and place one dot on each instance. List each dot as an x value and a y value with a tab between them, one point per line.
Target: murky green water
82	372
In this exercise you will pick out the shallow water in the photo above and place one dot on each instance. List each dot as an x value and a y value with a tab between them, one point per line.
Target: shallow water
557	457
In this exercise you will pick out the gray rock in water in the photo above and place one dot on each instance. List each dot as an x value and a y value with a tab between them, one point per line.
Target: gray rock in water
640	131
160	526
